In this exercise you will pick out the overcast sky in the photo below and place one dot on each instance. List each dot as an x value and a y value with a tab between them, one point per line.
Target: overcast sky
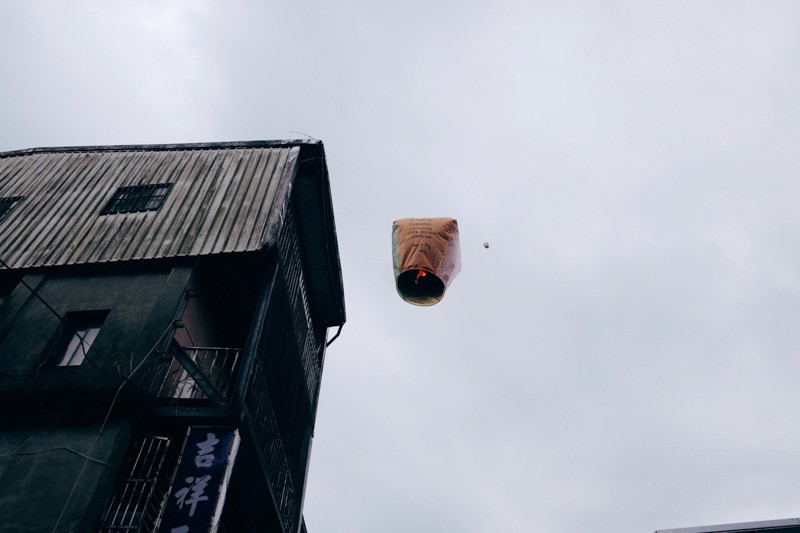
624	357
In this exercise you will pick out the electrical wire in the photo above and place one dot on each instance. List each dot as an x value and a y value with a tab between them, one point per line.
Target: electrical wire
67	448
172	325
306	134
63	321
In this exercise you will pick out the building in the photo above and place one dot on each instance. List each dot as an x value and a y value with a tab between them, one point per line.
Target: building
789	525
164	315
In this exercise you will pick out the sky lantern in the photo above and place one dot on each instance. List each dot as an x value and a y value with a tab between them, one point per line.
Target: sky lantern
426	256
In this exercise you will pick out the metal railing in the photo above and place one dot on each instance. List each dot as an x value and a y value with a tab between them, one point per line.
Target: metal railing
266	434
293	277
172	376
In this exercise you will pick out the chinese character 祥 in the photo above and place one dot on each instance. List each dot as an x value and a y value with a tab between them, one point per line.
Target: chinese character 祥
197	487
205	452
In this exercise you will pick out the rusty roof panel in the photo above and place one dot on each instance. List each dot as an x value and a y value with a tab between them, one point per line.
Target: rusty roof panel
225	197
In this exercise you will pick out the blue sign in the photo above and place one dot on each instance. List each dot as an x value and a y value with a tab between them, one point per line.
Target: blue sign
194	502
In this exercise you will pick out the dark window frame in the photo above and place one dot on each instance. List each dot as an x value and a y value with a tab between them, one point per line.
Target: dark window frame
137	198
7	204
76	336
143	485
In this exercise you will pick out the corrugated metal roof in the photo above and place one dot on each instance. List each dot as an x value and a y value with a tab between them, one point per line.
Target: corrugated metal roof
777	526
225	197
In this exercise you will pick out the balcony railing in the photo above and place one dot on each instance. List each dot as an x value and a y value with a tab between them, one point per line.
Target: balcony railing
190	373
264	427
299	307
195	373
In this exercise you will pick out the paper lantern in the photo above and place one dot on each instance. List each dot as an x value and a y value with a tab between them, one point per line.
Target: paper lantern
426	256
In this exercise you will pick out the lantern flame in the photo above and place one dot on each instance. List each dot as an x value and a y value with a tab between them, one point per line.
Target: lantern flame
426	257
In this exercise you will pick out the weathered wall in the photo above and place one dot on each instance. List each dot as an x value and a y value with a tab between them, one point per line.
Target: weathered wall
51	415
140	307
40	465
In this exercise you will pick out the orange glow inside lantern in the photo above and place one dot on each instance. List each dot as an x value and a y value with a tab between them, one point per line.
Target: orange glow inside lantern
426	258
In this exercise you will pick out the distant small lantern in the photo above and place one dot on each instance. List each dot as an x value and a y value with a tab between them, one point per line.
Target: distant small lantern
426	256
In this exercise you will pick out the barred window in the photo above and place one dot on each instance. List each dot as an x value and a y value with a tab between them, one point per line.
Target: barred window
136	503
7	204
137	198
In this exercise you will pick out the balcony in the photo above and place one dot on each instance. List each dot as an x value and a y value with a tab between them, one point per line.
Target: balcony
261	421
210	373
195	373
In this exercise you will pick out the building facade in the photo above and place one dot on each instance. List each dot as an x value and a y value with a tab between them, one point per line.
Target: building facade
164	315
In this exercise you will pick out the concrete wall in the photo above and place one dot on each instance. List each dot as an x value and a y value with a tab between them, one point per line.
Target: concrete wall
47	480
139	306
51	416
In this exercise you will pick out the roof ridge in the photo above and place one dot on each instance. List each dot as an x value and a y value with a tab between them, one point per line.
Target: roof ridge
161	147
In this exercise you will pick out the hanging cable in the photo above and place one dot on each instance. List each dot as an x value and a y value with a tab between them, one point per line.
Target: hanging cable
66	448
126	379
172	325
61	319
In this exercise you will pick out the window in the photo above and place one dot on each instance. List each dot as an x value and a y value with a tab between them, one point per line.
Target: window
7	204
137	198
143	486
77	337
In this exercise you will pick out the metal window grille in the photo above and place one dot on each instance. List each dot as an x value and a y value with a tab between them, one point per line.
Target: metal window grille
266	434
7	204
292	269
136	504
137	198
276	403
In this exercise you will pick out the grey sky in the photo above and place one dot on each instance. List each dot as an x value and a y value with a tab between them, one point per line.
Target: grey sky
624	356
